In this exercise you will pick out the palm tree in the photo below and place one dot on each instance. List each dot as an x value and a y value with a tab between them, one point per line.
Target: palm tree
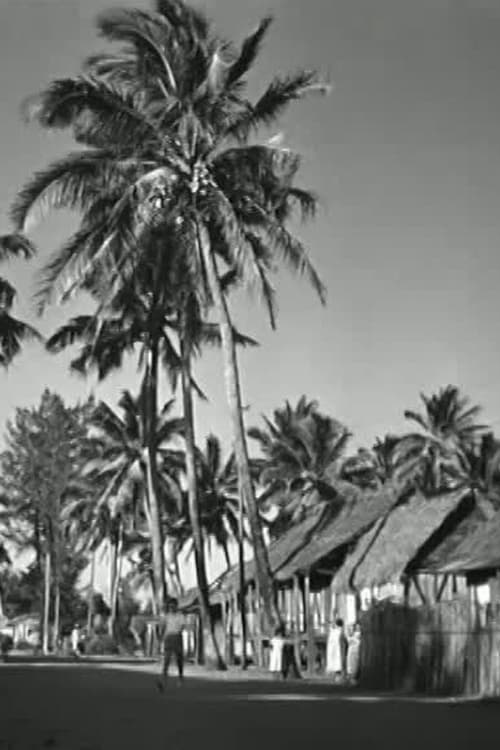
376	467
480	469
122	466
303	451
135	317
218	488
13	332
168	116
448	427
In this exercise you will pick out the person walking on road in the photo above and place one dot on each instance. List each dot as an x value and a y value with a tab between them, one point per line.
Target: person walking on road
172	625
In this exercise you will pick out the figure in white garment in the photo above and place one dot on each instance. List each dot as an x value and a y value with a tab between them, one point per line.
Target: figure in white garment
277	644
353	649
75	640
336	650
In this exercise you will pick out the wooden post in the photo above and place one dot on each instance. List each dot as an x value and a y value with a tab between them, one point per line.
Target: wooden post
327	615
289	605
232	616
308	617
296	617
258	626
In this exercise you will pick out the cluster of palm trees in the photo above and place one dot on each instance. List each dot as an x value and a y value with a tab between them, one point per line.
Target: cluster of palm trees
304	456
179	205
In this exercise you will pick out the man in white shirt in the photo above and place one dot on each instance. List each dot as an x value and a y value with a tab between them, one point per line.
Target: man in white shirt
172	625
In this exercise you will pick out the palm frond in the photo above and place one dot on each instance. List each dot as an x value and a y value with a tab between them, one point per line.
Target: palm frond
72	182
149	33
12	333
273	102
98	110
294	254
249	52
15	245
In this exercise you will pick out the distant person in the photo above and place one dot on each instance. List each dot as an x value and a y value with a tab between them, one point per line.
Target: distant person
353	651
75	641
172	625
336	648
276	656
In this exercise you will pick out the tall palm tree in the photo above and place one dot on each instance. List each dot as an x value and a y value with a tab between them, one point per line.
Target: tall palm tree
136	318
122	466
448	427
303	450
168	115
218	489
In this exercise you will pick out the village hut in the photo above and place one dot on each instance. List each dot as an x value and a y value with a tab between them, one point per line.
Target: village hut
378	566
425	633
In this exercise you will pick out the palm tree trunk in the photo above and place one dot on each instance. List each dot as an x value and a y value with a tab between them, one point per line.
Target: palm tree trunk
113	556
242	587
46	603
90	596
117	577
151	477
57	611
207	622
225	551
233	393
172	565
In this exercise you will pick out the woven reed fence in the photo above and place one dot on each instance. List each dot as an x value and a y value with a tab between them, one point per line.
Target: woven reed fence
452	648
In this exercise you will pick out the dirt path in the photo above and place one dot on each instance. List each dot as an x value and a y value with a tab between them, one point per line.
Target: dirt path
97	708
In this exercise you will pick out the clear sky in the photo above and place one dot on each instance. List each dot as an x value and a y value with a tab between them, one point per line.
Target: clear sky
405	155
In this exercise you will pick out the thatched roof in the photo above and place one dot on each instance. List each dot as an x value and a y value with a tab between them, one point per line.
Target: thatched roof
400	538
286	546
357	516
478	551
482	510
342	579
280	551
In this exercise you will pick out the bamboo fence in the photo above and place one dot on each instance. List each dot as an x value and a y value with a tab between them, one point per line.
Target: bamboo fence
450	648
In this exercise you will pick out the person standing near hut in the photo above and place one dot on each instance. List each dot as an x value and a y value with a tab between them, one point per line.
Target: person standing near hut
336	648
171	628
353	649
75	641
276	660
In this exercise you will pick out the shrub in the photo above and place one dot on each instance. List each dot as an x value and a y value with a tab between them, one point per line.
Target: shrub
101	645
24	646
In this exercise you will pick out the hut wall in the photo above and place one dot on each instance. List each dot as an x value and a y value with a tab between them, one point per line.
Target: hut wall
450	648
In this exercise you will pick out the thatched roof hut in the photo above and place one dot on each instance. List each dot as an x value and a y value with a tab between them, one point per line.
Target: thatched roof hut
356	517
295	539
480	550
398	540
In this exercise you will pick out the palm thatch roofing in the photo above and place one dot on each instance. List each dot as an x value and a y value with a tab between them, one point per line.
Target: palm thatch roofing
280	551
342	579
295	539
357	516
384	553
478	551
482	510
